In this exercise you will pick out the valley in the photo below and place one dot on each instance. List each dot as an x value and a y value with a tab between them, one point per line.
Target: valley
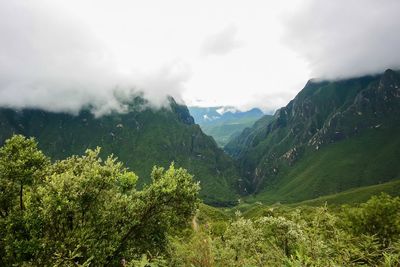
199	133
332	137
327	162
224	123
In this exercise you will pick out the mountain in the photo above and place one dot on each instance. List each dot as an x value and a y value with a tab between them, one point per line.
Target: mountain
223	123
141	138
333	136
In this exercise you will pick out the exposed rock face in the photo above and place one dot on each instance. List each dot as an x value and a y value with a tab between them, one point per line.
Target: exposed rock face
322	113
373	107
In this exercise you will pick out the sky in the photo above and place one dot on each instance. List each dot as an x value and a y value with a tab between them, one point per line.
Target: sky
62	55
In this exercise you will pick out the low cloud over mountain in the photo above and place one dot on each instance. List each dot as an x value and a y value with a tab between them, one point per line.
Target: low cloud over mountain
49	59
346	38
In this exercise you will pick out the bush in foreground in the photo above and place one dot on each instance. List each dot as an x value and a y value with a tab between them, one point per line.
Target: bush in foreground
85	211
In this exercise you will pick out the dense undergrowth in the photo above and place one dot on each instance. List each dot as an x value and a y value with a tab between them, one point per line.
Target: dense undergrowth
85	211
366	234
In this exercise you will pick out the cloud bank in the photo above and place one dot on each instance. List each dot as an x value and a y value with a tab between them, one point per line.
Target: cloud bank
63	55
346	38
52	61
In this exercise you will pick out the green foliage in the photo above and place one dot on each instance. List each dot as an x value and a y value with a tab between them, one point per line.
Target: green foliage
195	250
146	262
379	216
21	165
140	138
86	211
301	236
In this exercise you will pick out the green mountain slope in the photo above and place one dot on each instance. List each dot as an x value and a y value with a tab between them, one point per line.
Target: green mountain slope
141	138
223	132
367	159
331	137
225	125
357	195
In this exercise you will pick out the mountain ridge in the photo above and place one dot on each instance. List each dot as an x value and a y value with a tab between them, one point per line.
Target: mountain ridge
141	138
321	114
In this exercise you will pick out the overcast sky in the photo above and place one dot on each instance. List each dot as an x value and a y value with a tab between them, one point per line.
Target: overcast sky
63	54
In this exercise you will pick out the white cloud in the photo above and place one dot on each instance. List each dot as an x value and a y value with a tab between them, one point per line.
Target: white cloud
346	38
222	42
64	54
51	60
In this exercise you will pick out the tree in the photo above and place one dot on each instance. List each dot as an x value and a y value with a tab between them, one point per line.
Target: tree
88	211
21	164
22	167
378	217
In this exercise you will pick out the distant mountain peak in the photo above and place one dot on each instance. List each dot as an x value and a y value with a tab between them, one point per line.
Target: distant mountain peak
224	122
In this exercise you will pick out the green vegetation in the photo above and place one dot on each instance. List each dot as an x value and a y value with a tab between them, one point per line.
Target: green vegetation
224	123
224	131
140	138
336	143
361	235
85	211
371	158
332	137
357	195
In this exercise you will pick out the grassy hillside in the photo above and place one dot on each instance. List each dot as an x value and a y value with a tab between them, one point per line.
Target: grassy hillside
224	131
254	208
357	195
368	159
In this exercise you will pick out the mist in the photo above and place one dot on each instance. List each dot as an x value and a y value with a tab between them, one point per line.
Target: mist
66	55
345	38
51	60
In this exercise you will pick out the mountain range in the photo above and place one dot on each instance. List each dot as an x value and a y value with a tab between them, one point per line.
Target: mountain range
334	138
224	122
